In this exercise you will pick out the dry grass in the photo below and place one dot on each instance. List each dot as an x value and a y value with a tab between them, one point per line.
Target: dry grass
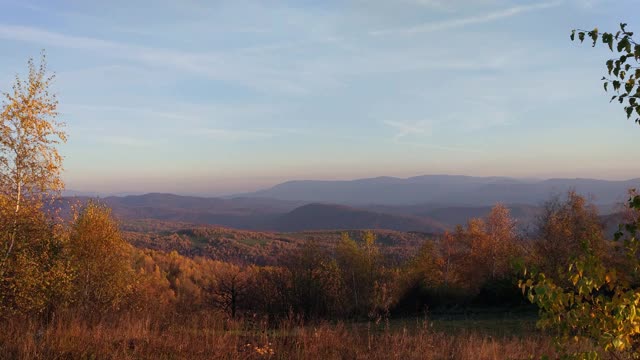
207	337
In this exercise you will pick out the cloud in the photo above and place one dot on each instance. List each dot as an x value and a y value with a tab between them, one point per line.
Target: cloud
407	133
126	141
404	129
447	5
230	135
76	109
471	20
181	113
424	144
231	66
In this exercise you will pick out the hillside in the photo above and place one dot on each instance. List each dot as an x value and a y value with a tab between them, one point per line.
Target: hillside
256	213
241	213
255	247
339	217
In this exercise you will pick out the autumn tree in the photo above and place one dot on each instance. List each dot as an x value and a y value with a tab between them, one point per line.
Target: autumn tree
427	268
567	228
316	288
270	291
151	292
450	253
101	261
361	268
422	277
30	168
484	250
230	291
30	163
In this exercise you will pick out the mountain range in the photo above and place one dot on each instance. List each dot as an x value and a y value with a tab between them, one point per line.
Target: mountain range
430	204
445	190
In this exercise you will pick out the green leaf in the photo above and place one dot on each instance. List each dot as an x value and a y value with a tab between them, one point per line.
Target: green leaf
581	36
573	35
625	45
621	98
608	40
616	85
610	66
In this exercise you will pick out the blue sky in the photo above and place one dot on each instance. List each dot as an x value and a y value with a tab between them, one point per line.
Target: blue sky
214	97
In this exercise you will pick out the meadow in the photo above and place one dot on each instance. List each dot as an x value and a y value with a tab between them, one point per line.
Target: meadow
210	337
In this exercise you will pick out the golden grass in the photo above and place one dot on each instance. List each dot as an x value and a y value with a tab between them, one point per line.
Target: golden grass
208	337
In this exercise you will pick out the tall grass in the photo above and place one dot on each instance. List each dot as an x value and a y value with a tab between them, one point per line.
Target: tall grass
209	337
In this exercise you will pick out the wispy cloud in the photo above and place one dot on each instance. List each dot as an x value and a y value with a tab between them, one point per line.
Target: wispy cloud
429	145
74	108
470	20
223	66
229	134
126	141
418	134
404	129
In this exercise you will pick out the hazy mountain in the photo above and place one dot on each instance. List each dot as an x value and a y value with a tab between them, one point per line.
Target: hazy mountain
425	203
257	213
340	217
241	213
446	190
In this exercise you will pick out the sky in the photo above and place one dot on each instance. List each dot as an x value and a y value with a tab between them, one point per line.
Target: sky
221	97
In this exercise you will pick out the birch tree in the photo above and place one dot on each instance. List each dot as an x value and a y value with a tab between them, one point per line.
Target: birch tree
30	163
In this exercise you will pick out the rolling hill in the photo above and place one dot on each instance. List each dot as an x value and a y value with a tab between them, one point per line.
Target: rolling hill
339	217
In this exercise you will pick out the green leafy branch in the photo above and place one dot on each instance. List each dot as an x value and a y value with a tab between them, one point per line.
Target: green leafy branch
625	69
596	306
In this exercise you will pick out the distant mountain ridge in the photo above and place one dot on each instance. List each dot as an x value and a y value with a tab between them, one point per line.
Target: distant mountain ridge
450	190
430	203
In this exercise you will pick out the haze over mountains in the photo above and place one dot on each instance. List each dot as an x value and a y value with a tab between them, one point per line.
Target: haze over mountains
445	190
430	203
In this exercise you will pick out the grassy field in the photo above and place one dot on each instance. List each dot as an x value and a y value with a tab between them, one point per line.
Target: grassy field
494	325
209	337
